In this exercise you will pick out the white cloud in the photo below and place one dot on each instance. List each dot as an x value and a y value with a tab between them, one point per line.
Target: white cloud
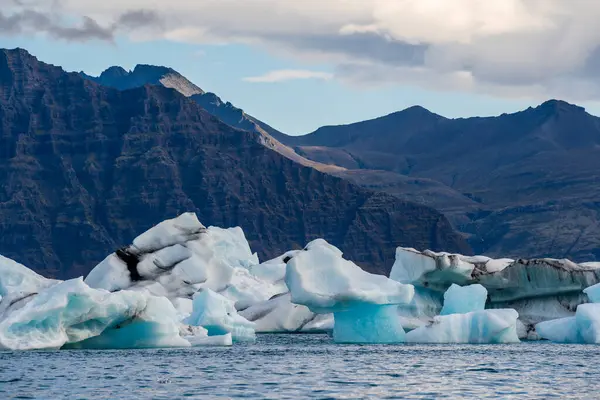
282	75
544	48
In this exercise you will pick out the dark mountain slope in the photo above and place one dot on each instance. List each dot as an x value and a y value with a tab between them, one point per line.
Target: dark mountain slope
522	184
84	168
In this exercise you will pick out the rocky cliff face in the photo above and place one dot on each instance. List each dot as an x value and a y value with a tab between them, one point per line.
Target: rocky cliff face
85	168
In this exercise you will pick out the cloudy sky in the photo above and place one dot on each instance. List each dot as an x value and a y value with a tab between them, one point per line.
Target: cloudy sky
298	64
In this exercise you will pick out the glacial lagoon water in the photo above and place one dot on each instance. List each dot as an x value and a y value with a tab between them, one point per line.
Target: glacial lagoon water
306	366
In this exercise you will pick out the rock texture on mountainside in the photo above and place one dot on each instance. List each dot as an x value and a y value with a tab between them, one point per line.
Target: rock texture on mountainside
520	185
84	168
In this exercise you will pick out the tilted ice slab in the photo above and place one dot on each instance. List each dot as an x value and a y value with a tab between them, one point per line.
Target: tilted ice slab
464	299
539	289
364	305
584	327
488	326
72	313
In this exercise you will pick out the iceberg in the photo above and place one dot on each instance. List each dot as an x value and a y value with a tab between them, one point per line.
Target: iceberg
538	289
72	313
464	299
217	314
363	305
180	257
584	327
489	326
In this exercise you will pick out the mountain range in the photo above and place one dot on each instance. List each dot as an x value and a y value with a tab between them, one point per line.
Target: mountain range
519	185
87	165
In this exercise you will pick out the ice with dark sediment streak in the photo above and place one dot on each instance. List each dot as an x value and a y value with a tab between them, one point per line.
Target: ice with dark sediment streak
538	289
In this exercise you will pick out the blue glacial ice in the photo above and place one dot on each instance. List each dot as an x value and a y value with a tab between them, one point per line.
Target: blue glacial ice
70	313
593	293
363	305
488	326
584	327
464	299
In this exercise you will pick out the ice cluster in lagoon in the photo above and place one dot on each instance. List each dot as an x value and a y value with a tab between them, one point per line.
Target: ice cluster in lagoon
182	284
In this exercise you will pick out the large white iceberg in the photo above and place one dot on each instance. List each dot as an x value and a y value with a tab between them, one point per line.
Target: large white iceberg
489	326
179	258
363	305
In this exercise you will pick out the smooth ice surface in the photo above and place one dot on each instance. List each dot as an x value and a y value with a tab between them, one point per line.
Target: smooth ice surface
593	293
322	280
488	326
584	327
464	299
218	316
368	323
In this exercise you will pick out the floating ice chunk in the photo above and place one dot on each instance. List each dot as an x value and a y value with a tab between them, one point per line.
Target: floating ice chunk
588	322
584	327
561	330
322	280
368	323
593	293
71	312
157	325
464	299
488	326
218	316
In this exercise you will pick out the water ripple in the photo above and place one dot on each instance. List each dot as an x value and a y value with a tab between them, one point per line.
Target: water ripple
306	366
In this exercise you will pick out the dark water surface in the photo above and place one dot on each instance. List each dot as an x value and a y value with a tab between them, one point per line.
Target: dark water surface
306	366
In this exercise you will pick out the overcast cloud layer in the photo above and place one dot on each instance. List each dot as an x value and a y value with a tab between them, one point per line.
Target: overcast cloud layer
517	48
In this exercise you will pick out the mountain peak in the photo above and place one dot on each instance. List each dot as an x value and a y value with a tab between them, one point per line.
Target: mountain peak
554	105
113	73
144	74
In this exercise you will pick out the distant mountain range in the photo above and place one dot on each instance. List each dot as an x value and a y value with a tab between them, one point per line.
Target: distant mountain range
520	185
85	167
